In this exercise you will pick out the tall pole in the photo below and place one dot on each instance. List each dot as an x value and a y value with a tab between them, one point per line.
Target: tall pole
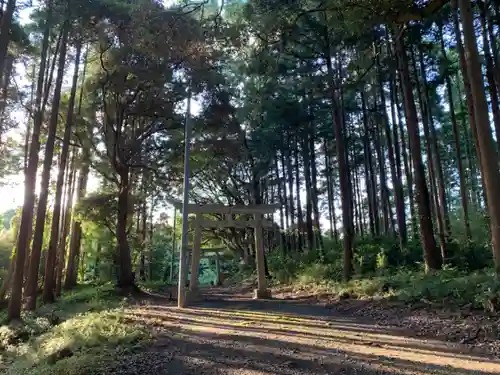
174	243
169	263
181	295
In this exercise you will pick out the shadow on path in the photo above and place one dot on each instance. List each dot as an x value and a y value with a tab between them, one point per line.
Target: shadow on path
247	337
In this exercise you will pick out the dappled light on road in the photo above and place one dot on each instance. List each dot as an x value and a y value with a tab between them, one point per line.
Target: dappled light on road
247	339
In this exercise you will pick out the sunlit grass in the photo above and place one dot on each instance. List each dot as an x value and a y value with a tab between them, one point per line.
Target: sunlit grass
446	287
61	339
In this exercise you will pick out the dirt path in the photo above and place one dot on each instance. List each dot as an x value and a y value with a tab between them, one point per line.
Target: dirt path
244	337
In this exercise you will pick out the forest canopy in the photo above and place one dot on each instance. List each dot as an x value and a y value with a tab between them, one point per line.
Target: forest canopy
373	125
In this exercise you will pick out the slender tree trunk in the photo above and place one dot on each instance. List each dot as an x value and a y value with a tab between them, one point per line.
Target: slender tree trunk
456	138
490	73
345	193
433	259
314	192
489	156
61	250
435	181
370	174
144	239
300	217
308	186
289	169
406	163
468	91
44	190
25	227
394	162
329	183
9	67
494	48
48	286
383	180
5	28
71	274
6	282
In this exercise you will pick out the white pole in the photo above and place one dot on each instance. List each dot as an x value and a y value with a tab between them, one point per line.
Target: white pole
181	295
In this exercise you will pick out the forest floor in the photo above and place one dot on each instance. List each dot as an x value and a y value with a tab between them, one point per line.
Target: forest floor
292	334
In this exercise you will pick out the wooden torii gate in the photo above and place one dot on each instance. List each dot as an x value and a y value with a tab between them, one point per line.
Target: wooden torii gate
214	252
251	217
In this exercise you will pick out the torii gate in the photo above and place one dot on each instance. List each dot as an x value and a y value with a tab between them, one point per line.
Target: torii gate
214	252
256	222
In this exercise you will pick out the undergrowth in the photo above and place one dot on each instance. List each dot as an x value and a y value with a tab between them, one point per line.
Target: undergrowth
381	269
449	287
84	333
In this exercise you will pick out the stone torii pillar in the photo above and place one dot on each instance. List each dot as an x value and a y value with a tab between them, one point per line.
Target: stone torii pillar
195	257
249	217
262	291
217	269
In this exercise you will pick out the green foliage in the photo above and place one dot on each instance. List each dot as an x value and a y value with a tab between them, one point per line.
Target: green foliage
381	269
81	334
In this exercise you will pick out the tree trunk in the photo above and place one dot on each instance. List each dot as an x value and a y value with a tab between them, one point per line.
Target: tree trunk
370	174
71	277
308	186
345	193
48	286
329	189
44	191
406	163
432	257
125	275
25	227
61	250
431	154
456	138
468	95
5	28
6	282
8	70
395	165
490	72
314	193
300	217
489	156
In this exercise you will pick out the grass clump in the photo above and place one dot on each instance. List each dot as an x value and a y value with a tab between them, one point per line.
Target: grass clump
382	269
449	287
85	343
85	332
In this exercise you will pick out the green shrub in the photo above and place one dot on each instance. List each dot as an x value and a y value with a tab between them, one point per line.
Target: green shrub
80	334
382	269
80	344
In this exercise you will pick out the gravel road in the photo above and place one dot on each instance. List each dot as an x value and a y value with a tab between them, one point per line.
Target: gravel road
239	336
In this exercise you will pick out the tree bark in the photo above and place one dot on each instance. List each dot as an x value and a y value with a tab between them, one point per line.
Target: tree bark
432	153
124	260
44	187
488	152
490	72
5	26
456	138
432	257
68	208
25	227
345	193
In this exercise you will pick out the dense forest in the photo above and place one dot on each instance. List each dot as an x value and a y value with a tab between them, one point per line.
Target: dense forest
373	124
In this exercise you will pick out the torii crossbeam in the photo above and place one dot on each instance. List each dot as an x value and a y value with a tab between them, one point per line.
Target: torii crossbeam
249	217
